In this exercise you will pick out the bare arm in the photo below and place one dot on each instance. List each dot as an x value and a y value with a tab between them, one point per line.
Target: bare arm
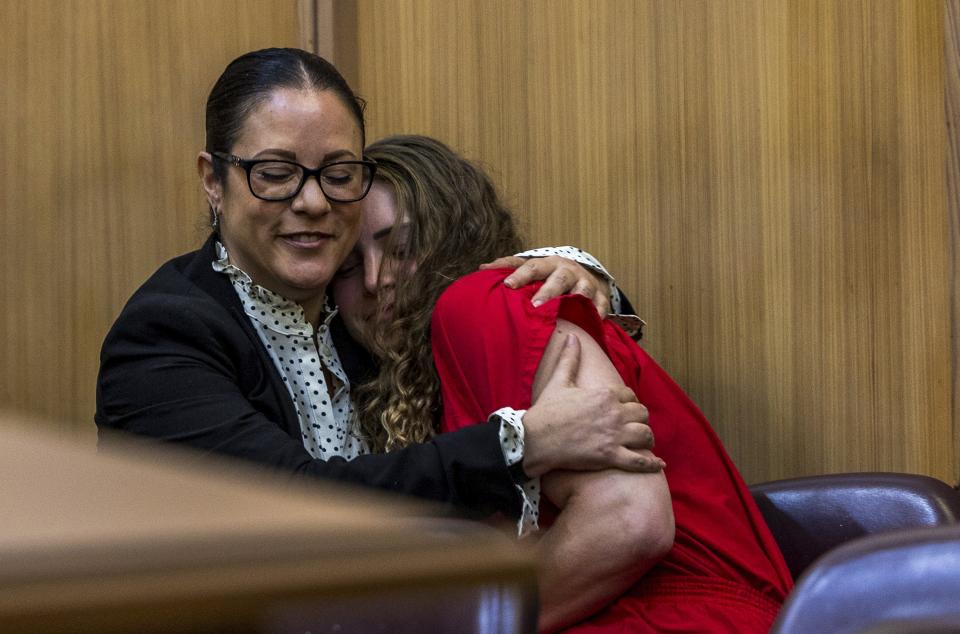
613	525
584	428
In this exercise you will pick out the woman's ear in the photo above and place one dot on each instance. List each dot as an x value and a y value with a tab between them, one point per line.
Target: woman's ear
211	184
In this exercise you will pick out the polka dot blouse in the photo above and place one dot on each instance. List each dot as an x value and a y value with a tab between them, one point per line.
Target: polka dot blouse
328	425
307	363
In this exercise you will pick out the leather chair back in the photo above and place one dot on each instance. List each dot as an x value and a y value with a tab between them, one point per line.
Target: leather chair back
904	581
810	516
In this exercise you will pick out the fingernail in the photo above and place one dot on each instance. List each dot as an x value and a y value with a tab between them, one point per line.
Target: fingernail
510	282
537	303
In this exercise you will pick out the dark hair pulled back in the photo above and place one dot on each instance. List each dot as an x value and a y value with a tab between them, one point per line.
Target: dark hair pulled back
249	80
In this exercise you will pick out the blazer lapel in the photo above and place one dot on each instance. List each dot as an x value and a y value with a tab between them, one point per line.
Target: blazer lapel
199	269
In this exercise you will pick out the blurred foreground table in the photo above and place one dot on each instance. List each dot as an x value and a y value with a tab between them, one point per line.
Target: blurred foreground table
147	539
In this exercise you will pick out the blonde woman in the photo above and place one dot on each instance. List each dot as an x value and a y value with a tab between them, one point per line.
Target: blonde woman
684	550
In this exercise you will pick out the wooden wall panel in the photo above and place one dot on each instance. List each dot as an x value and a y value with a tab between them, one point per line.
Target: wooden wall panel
101	105
952	74
766	177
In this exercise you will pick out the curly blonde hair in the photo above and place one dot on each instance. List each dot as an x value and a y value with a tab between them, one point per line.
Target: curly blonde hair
457	222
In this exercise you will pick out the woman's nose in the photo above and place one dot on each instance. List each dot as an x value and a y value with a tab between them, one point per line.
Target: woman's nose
371	274
310	198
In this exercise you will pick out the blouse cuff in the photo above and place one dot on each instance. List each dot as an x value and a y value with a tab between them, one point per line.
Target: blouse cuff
511	441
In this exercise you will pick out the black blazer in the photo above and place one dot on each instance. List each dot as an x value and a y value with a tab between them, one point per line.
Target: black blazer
182	363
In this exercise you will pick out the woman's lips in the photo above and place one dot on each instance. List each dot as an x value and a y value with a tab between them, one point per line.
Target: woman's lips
376	314
386	312
306	239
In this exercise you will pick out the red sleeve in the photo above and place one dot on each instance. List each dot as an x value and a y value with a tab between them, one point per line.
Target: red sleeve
488	341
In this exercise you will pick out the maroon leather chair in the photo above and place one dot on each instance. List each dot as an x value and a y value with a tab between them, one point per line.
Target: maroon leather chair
903	581
810	516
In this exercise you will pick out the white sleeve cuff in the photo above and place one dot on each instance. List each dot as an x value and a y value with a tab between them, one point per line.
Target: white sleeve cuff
511	441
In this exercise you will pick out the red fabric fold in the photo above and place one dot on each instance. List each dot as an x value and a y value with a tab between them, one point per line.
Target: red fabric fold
725	572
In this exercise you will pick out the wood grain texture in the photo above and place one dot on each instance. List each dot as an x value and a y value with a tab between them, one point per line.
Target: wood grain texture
952	90
102	112
767	178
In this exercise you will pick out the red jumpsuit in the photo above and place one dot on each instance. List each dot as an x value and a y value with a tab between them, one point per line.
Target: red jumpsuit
724	572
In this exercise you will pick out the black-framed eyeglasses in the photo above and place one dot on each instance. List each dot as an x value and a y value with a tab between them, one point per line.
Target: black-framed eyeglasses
275	180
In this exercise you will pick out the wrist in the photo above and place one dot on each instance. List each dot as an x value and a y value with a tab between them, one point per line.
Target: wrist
512	442
534	463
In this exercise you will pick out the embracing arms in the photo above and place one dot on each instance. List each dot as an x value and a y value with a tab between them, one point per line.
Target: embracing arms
181	364
613	525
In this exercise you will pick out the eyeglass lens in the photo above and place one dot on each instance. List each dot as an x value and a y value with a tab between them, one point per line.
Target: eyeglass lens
343	182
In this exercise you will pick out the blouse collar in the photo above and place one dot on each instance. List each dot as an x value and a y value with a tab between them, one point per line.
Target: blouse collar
263	305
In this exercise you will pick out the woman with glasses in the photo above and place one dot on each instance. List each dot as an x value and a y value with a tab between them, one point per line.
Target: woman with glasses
230	348
685	550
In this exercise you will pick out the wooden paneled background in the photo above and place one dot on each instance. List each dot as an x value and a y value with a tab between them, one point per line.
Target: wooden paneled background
767	178
101	107
774	182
